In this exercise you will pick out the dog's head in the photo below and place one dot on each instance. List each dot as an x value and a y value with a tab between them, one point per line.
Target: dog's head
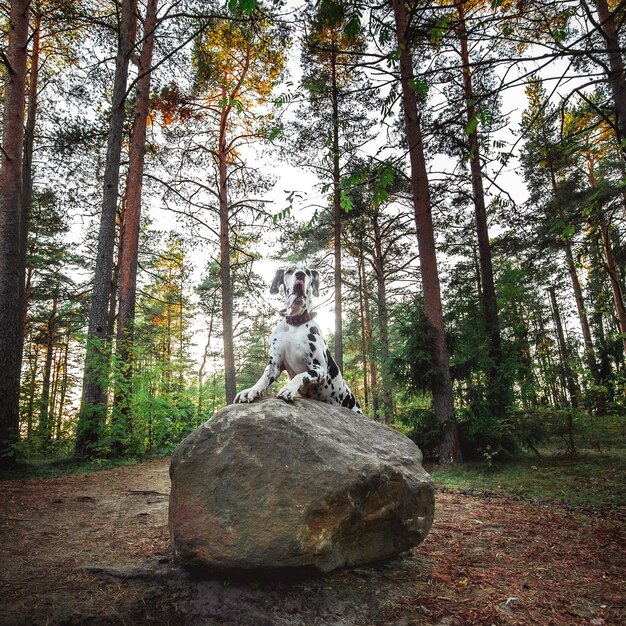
300	284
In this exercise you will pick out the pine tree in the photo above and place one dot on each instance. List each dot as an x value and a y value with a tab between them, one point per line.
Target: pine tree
443	403
11	270
97	360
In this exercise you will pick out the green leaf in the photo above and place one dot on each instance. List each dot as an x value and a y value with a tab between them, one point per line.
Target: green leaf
274	133
568	231
353	27
485	116
442	25
420	87
380	195
346	202
471	125
245	6
383	180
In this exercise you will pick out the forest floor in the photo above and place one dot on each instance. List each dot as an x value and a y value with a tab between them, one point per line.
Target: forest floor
94	549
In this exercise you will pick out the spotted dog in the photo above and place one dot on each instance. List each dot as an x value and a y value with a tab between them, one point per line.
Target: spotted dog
297	346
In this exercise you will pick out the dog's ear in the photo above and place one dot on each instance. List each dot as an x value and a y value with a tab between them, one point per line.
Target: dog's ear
315	283
278	279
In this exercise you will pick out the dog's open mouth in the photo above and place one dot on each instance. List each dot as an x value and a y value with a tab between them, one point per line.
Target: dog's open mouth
297	294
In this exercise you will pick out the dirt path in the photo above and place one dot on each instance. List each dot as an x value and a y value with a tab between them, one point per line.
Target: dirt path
93	549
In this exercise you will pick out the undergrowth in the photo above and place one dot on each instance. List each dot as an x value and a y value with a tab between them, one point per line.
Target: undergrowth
35	468
587	479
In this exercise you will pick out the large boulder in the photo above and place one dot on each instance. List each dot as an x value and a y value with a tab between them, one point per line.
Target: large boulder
271	486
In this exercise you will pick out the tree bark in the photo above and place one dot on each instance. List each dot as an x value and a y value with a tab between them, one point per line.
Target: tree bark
383	321
45	423
26	200
337	216
34	368
11	271
590	357
616	288
443	405
64	381
131	224
364	343
92	414
369	337
225	266
570	382
615	73
205	355
498	386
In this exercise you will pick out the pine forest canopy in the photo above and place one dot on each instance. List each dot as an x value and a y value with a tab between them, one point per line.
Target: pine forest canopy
454	169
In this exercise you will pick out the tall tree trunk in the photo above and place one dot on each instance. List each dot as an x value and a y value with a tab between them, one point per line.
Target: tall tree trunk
26	200
30	411
615	73
590	357
498	394
11	310
616	288
364	345
383	321
56	381
225	267
45	423
369	336
92	414
132	219
64	382
443	405
572	388
205	355
337	216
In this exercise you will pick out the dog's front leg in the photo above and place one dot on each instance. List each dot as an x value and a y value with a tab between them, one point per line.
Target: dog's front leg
313	375
271	373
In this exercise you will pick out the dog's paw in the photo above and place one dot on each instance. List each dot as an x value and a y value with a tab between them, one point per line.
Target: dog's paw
247	395
286	394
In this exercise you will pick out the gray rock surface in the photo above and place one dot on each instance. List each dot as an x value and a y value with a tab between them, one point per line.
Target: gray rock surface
272	486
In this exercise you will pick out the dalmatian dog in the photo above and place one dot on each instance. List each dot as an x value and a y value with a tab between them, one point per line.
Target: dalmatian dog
297	346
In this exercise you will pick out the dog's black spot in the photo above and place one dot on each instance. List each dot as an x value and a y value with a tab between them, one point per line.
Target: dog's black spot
311	337
333	370
349	401
312	374
314	330
316	362
332	394
308	272
306	380
272	379
312	348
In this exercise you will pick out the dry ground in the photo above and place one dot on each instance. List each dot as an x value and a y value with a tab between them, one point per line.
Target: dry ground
93	549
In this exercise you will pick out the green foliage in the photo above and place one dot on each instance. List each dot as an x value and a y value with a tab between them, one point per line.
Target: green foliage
421	427
589	480
411	364
441	28
37	468
484	435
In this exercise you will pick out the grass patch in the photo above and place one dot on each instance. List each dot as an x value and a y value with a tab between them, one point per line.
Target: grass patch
588	479
32	469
